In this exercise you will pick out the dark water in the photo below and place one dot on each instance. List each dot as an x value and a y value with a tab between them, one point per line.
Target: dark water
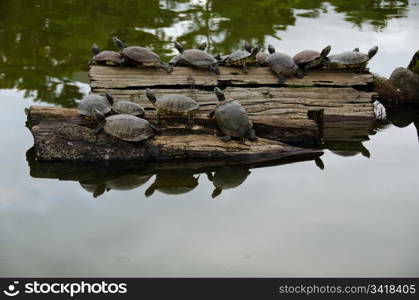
359	216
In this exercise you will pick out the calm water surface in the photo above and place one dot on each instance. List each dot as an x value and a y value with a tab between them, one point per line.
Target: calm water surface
359	216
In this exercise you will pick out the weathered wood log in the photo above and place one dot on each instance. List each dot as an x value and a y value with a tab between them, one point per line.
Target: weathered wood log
61	134
123	78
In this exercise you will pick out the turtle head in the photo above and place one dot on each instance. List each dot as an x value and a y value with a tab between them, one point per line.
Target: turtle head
219	93
203	46
325	52
95	49
150	96
118	43
109	97
179	47
271	49
99	116
356	49
372	52
255	50
414	61
247	46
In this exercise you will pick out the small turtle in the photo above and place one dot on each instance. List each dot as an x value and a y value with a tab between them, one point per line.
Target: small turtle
125	127
351	59
128	108
414	63
282	65
232	118
407	83
106	57
227	178
135	55
177	60
196	58
356	49
92	102
174	104
309	59
241	58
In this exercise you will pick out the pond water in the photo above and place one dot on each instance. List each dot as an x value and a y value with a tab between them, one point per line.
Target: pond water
359	216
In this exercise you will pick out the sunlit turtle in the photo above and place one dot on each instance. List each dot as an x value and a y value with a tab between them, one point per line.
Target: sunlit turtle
178	60
262	56
125	127
173	182
227	178
136	55
351	59
106	57
414	63
196	58
241	58
128	108
174	104
310	59
282	65
95	102
232	118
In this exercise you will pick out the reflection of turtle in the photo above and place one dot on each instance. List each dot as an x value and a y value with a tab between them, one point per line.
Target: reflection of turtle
232	118
106	57
96	189
403	117
135	55
173	182
417	127
127	182
227	178
351	59
347	148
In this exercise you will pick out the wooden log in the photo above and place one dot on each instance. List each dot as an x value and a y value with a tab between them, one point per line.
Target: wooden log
123	78
61	134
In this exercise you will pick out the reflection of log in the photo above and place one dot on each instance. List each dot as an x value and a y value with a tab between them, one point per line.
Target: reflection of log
116	77
61	134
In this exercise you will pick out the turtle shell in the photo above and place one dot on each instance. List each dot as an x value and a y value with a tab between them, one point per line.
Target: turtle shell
128	182
261	57
229	178
129	108
282	63
349	58
306	56
174	103
92	102
232	118
128	128
198	57
237	55
106	56
140	54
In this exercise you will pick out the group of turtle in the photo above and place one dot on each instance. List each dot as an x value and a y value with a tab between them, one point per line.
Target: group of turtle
124	119
283	65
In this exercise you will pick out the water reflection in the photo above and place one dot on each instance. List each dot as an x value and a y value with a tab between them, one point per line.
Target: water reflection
403	117
45	45
227	178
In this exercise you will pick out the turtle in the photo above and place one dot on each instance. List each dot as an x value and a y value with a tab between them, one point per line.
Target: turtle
310	59
351	59
414	63
261	56
125	127
127	182
196	58
232	118
128	108
106	57
241	58
282	65
407	83
173	182
136	55
92	102
227	178
173	104
178	60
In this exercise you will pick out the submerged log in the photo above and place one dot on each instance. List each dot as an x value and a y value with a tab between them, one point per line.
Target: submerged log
63	135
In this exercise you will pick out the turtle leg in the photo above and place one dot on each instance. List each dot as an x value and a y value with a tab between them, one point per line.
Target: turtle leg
299	74
211	114
244	67
226	138
157	118
252	135
98	128
190	121
281	78
155	128
215	69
